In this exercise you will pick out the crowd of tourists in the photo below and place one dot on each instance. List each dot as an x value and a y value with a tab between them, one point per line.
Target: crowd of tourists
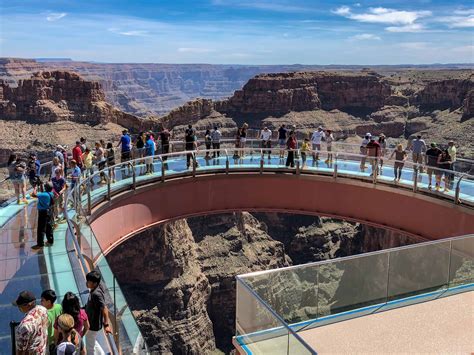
61	328
84	159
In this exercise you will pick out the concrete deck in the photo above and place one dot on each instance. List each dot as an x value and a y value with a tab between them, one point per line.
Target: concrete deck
443	326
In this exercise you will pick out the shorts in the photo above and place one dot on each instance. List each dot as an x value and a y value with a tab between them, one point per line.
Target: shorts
125	156
431	170
316	146
149	160
282	142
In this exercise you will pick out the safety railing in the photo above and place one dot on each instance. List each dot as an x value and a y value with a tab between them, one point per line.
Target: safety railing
310	295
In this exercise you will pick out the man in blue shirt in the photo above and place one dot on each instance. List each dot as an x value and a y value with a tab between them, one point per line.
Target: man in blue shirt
75	174
149	153
126	143
44	204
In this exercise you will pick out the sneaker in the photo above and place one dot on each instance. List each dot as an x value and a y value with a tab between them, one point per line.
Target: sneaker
429	187
37	247
49	243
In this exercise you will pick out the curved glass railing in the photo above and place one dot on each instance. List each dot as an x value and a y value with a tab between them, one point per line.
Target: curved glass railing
315	294
129	175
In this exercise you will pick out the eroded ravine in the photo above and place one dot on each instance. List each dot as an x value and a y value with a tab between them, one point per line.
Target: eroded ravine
179	278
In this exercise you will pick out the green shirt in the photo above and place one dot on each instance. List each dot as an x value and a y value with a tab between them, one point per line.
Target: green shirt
53	313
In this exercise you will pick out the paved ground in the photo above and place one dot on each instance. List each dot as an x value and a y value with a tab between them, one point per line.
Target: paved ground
443	326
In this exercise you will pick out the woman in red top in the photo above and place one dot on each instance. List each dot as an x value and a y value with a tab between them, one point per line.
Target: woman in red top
291	146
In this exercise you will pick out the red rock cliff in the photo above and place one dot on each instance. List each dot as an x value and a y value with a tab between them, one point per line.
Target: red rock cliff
51	96
305	91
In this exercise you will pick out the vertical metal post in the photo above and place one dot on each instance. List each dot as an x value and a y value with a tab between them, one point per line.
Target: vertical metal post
108	188
297	167
163	170
89	202
457	201
227	166
13	325
449	263
194	164
388	277
415	178
335	169
261	165
134	177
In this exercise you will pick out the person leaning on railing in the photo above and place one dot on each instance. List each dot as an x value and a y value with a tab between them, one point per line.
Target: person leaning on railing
266	138
373	152
432	155
305	150
16	174
445	163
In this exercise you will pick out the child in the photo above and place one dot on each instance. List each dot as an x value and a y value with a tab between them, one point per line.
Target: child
48	297
305	149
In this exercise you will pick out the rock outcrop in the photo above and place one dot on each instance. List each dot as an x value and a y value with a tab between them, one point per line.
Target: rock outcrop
468	105
276	94
444	94
52	96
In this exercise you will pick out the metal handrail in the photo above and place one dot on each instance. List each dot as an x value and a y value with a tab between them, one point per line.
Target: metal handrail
358	256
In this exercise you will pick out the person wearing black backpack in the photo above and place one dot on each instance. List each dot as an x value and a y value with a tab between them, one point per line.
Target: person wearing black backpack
45	207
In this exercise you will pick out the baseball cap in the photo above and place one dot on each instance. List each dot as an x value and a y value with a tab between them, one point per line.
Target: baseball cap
368	134
433	144
23	298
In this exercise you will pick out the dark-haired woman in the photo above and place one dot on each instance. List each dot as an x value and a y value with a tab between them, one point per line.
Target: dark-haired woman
72	307
16	174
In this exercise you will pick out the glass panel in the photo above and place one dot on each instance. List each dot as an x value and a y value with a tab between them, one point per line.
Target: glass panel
296	347
257	328
352	283
418	270
462	262
291	293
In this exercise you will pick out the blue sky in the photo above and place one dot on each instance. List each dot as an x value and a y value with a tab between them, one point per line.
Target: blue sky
240	31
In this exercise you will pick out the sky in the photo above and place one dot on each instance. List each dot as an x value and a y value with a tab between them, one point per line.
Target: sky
240	31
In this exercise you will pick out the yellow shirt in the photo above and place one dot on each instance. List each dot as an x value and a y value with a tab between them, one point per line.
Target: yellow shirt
452	153
87	158
305	147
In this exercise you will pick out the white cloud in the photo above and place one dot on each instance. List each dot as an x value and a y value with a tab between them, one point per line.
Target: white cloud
134	33
414	45
383	15
195	50
131	33
343	11
458	21
55	16
415	27
366	36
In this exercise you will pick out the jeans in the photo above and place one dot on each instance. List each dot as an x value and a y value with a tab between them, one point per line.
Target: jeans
397	170
44	226
165	149
216	145
92	347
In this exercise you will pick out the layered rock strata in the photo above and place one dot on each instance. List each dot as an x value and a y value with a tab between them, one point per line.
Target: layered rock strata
62	96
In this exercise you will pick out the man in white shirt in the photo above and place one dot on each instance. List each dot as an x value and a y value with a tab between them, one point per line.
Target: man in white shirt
316	139
265	136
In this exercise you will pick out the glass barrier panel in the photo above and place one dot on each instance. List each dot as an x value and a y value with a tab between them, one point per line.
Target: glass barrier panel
461	270
351	284
296	346
256	327
292	293
355	164
418	269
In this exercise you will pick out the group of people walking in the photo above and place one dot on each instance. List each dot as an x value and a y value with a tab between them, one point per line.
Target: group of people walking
53	328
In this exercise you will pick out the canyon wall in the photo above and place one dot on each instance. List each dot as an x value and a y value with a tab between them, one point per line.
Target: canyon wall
184	272
62	96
